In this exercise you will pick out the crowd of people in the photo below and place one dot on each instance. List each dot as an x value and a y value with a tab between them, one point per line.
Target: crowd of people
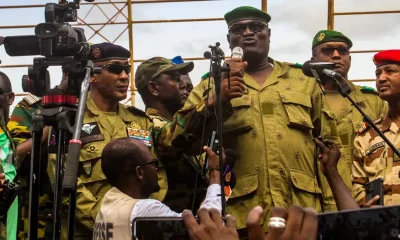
301	148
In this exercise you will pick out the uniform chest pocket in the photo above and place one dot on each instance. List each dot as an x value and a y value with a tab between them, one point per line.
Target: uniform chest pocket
297	107
90	162
241	120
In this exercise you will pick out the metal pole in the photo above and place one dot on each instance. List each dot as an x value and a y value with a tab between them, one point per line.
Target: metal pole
331	14
130	29
264	5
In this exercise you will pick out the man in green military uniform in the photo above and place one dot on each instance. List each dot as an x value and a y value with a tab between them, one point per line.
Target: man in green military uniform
20	125
164	92
106	119
276	116
332	46
8	161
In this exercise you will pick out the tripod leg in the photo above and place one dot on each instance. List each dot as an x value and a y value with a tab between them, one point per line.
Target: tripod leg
71	215
58	193
34	183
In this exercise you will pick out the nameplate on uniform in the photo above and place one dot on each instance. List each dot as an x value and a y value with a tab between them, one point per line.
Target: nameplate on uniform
374	147
139	134
92	138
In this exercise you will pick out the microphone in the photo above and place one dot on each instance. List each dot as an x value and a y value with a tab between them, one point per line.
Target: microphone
320	70
237	52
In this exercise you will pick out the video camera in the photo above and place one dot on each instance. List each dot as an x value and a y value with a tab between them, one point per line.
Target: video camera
58	42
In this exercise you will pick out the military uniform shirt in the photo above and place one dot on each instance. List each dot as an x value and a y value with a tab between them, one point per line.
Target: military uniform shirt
272	130
348	121
373	159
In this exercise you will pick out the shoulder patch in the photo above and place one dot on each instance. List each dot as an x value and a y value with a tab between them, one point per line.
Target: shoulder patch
31	99
205	76
366	89
138	112
367	126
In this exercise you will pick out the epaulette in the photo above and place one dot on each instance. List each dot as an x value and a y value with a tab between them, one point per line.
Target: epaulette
366	89
31	99
205	76
294	65
138	112
367	126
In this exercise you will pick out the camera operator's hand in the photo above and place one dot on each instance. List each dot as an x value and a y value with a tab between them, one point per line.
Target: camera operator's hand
211	226
2	179
213	165
330	155
301	224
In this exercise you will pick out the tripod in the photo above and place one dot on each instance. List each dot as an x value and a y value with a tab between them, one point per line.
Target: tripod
60	113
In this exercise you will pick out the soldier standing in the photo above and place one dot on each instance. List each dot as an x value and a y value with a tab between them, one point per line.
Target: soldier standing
372	157
276	115
332	46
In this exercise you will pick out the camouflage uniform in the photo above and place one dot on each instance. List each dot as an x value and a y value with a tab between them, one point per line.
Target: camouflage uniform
181	172
374	159
348	121
20	125
272	129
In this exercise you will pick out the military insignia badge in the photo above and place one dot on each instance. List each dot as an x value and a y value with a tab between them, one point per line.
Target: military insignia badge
142	135
321	37
92	149
135	125
96	53
88	128
87	167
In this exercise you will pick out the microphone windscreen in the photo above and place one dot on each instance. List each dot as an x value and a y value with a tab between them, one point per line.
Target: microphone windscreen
237	52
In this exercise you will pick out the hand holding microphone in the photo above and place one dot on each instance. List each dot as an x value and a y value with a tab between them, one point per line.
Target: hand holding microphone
234	86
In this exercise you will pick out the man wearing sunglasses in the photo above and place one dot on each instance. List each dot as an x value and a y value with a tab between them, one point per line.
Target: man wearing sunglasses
332	46
106	119
277	114
8	163
132	172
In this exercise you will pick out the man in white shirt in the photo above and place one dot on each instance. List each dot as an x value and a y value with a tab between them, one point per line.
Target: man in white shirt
132	172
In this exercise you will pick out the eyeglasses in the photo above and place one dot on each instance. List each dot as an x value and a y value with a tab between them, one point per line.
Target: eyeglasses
255	27
343	51
155	163
117	68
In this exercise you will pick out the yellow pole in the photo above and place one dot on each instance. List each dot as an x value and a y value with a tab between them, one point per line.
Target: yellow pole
130	29
264	5
331	14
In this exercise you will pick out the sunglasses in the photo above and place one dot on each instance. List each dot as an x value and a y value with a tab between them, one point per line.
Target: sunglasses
117	68
155	163
255	27
343	51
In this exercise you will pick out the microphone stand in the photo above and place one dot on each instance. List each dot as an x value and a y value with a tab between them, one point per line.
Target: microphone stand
216	56
345	91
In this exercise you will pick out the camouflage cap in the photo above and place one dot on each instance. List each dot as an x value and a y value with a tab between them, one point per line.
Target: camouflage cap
152	68
330	36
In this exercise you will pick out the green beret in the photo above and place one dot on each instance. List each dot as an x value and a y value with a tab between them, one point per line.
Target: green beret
246	13
324	36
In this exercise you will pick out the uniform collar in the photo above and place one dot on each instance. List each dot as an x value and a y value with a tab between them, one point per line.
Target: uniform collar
388	124
123	113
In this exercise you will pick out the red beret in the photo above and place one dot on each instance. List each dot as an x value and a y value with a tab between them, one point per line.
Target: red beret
387	57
